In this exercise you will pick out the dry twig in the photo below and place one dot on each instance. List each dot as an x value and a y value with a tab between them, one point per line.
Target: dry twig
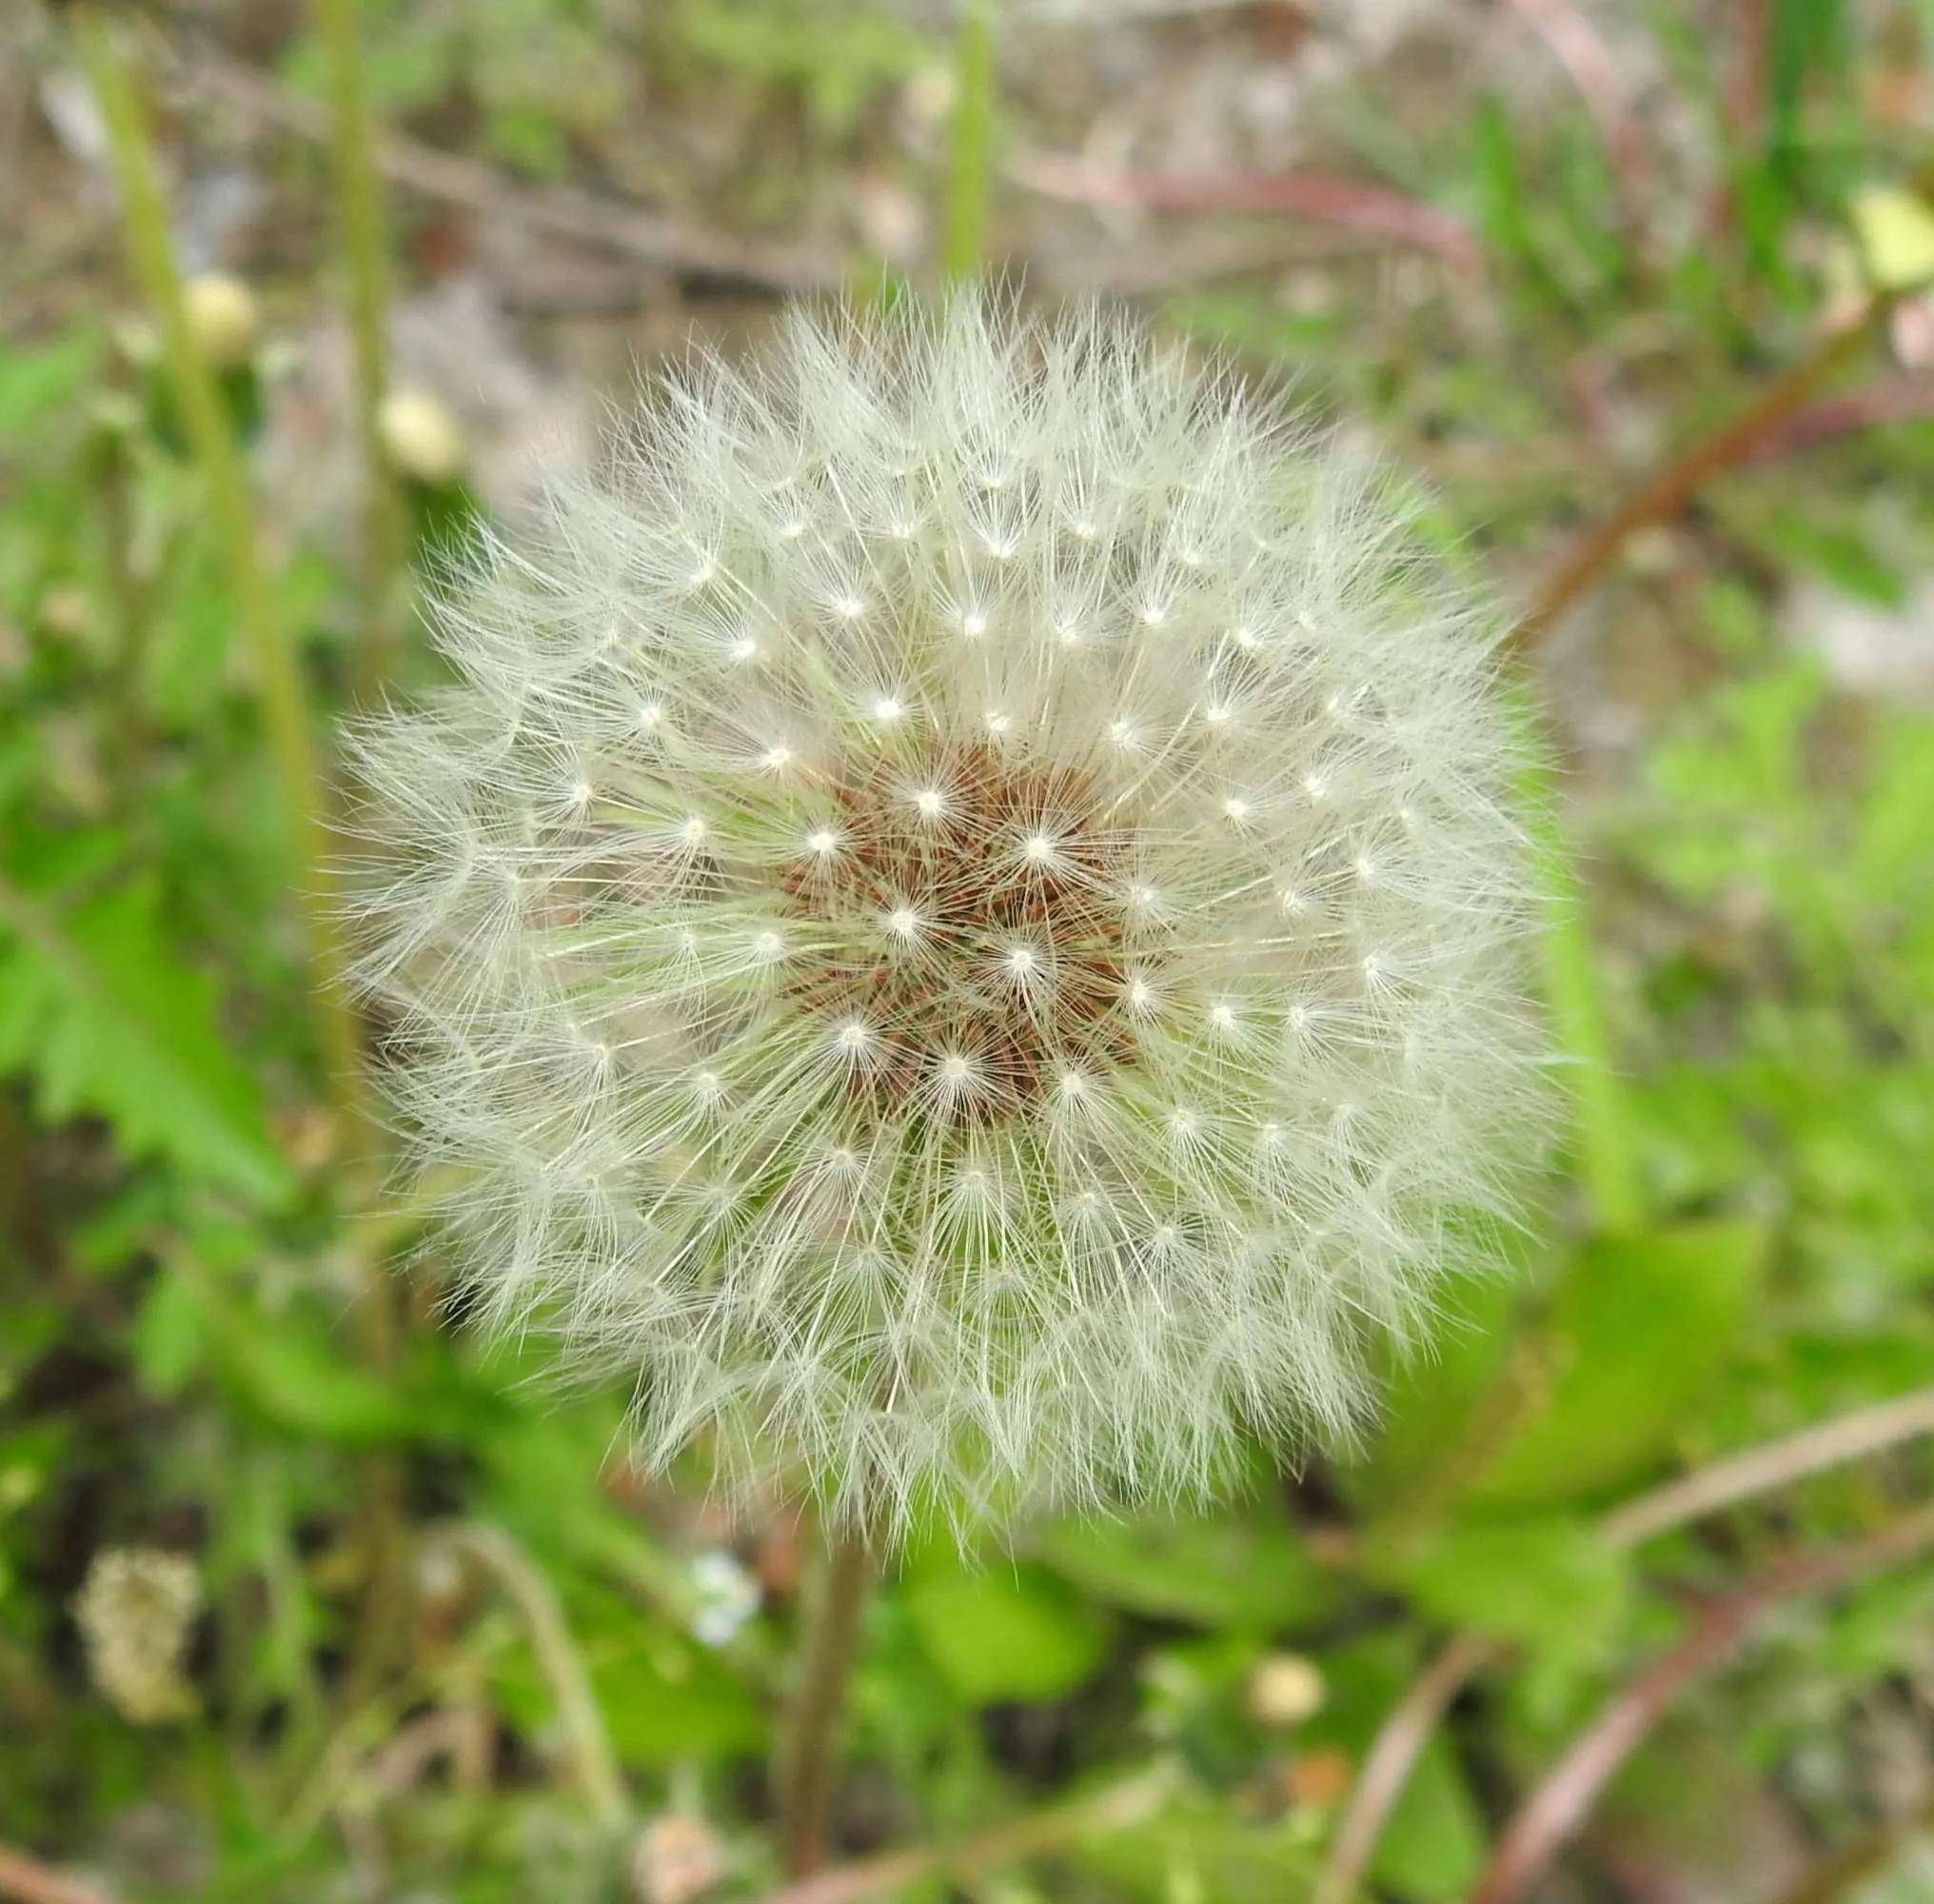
27	1881
889	1873
1668	492
1678	1503
1373	211
565	212
1564	1799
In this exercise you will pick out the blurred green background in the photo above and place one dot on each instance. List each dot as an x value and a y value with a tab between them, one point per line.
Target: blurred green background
1537	252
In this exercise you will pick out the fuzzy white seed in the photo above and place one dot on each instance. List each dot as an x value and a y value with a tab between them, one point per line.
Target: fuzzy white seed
958	920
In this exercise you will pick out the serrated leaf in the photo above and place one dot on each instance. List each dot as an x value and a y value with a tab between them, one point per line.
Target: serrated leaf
1004	1632
1640	1327
106	1018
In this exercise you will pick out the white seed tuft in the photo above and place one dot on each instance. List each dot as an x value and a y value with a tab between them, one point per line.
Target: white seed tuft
958	924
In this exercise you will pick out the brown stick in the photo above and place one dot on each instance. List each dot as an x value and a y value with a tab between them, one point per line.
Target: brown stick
1896	400
1761	1470
1564	1799
807	1765
1386	1766
1407	1727
1574	43
1668	492
891	1872
28	1881
631	229
1352	204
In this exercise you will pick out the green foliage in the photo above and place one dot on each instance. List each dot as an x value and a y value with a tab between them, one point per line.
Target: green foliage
1551	1582
1003	1632
105	1018
836	55
1738	954
1242	1569
1627	1350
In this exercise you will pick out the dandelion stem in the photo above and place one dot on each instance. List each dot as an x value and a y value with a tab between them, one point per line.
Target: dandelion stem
805	1772
970	155
360	234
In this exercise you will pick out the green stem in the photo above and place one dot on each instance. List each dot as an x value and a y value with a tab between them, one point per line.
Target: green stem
279	683
362	237
807	1762
579	1717
970	145
1608	1165
113	466
276	668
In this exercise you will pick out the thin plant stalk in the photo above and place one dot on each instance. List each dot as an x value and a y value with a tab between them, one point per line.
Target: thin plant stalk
1608	1165
113	466
970	145
807	1760
1095	1815
278	677
1663	1510
1558	1807
272	659
362	238
1672	488
579	1718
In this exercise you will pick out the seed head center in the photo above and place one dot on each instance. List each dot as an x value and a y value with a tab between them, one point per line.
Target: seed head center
978	907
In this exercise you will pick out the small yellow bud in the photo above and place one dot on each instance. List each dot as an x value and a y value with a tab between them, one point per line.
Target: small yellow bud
424	440
225	318
1284	1689
1895	232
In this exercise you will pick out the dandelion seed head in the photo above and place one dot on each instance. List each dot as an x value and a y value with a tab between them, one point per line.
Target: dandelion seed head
980	1096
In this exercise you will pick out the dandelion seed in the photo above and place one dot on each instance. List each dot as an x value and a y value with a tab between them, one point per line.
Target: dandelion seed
1012	1108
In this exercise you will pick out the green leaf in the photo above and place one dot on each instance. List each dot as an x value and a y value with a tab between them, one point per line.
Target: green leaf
1640	1328
105	1018
37	383
298	1382
169	1336
1228	1569
663	1697
1551	1583
1432	1844
1005	1632
1197	1848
